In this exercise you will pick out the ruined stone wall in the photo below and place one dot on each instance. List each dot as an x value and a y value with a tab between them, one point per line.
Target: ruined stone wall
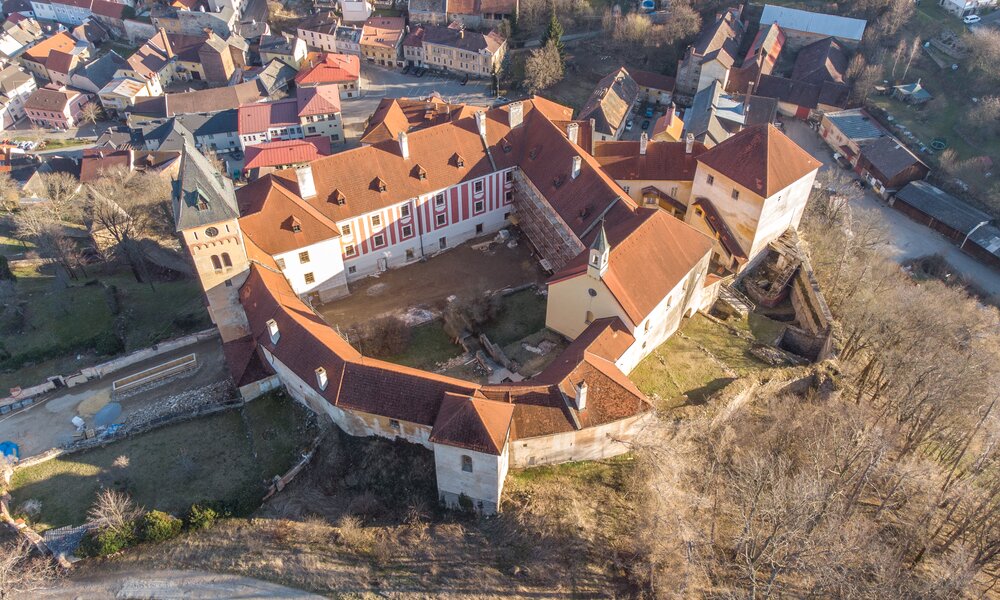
592	443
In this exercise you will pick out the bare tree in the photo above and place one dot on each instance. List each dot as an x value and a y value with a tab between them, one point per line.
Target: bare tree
984	48
684	22
543	69
114	509
10	192
91	113
914	51
21	572
895	15
865	83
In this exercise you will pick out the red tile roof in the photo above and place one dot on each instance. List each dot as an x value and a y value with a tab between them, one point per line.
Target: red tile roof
278	221
286	152
60	62
650	255
473	423
331	68
382	31
41	51
663	160
318	100
656	81
96	161
761	159
407	114
257	118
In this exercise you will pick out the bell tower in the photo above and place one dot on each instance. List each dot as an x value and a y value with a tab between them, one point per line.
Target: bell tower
600	250
207	219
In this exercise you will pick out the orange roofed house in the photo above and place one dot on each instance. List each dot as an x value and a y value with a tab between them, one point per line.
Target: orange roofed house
342	70
625	274
381	40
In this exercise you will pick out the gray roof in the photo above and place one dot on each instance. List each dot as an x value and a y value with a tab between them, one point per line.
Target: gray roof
701	120
610	103
942	206
101	70
175	132
426	6
12	77
349	34
987	237
856	125
889	156
200	185
274	76
844	28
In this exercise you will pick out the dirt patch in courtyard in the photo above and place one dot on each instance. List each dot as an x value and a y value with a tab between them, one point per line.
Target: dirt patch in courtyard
423	288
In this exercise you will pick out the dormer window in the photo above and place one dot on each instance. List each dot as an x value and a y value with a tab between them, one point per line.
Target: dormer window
380	184
339	197
420	172
272	331
296	225
459	161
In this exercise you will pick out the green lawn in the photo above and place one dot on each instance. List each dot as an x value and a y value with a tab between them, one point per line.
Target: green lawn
60	321
228	458
698	363
429	345
11	247
523	313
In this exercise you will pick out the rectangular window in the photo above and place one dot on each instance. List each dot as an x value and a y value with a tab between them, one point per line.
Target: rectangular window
710	180
376	220
478	186
443	243
404	210
378	240
407	230
736	194
439	200
349	250
479	228
466	463
508	196
310	278
281	263
304	257
479	206
441	219
345	229
352	270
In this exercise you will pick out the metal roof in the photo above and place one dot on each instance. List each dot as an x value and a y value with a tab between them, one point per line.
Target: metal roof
856	125
810	22
942	206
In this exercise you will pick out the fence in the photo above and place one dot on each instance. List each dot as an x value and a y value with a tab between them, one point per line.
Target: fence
162	371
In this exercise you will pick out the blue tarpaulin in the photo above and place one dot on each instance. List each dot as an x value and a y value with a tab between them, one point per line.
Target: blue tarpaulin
10	449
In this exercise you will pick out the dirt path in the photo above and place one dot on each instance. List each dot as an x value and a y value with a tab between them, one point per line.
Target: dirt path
167	584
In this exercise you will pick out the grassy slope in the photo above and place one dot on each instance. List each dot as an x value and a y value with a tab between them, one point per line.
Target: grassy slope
429	345
204	460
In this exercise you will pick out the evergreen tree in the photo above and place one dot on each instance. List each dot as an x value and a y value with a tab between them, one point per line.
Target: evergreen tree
553	32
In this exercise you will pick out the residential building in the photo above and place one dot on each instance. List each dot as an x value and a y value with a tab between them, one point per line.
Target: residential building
481	13
268	157
396	115
120	94
669	127
319	31
17	35
711	55
315	111
714	116
802	27
221	17
77	12
273	77
760	59
453	49
96	162
16	87
382	39
356	11
964	8
413	46
318	111
342	70
349	40
284	47
55	107
217	132
56	48
654	88
611	104
94	75
912	93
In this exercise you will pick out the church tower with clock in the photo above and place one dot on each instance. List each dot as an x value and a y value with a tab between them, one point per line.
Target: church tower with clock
207	218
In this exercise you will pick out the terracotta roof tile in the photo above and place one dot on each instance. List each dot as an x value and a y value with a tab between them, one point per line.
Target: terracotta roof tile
382	31
663	160
331	68
40	52
318	100
286	152
761	159
281	222
473	423
256	118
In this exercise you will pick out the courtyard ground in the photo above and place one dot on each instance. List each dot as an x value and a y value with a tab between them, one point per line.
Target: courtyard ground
226	459
425	286
46	424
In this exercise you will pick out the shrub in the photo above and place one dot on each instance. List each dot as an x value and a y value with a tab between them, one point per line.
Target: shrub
380	338
199	517
158	526
111	299
106	541
108	343
471	313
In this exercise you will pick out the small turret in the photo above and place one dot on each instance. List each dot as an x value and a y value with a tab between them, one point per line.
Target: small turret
600	251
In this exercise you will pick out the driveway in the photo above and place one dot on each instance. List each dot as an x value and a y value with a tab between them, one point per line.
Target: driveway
46	424
378	83
168	585
907	239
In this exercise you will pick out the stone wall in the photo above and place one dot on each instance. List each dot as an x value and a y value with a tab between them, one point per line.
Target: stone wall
592	443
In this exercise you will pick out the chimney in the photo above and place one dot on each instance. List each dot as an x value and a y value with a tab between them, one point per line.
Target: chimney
581	395
272	330
573	132
671	111
593	134
516	113
481	123
643	143
166	44
461	33
577	162
307	185
746	103
404	145
688	143
321	378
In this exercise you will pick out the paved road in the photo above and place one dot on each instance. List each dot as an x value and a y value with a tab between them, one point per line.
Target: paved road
907	238
47	424
168	585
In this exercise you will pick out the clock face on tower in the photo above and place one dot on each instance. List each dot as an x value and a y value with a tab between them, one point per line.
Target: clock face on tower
211	232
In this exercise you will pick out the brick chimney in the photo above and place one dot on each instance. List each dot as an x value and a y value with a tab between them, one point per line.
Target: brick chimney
689	143
516	114
573	132
404	145
643	143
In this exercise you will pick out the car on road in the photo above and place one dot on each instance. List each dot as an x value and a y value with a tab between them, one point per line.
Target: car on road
645	125
465	79
420	71
629	124
406	69
972	19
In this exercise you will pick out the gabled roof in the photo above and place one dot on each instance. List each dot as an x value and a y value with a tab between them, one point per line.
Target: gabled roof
889	156
279	221
721	38
41	51
214	99
650	255
611	101
382	31
255	118
60	62
394	115
286	152
318	100
331	68
824	60
801	93
49	99
102	70
942	206
468	41
663	160
203	195
473	423
813	22
656	81
761	159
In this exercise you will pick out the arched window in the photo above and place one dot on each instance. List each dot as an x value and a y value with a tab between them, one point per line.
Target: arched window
216	262
226	260
466	463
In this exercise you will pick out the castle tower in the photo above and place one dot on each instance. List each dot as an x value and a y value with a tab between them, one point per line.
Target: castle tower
206	216
600	250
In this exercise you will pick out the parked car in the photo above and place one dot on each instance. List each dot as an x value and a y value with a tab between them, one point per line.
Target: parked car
465	79
649	113
645	125
406	69
420	71
971	19
629	124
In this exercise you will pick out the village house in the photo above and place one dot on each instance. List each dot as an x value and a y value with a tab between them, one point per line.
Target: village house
120	94
16	87
382	39
625	275
802	27
356	11
611	104
341	70
96	162
654	88
455	50
95	74
209	131
17	35
319	31
714	116
759	60
55	107
56	49
283	47
471	13
964	8
711	55
395	115
268	157
221	16
349	40
315	111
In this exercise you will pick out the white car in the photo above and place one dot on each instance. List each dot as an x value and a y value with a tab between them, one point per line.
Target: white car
969	20
629	124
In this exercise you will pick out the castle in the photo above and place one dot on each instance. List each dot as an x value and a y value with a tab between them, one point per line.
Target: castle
638	235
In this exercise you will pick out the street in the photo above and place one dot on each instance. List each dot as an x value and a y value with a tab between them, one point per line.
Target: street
907	239
165	584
